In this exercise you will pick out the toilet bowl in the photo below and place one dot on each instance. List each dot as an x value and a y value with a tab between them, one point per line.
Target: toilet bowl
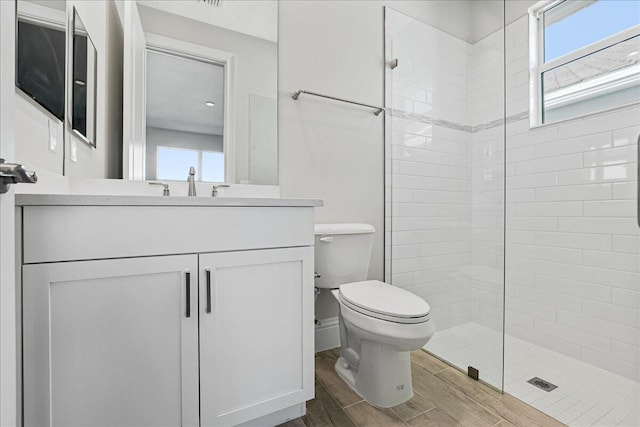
379	323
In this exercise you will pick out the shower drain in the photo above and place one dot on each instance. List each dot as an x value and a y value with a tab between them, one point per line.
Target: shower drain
542	384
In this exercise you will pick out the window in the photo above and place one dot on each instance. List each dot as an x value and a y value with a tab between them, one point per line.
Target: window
174	163
585	57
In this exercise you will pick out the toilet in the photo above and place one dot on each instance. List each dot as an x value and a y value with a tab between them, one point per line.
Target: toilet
379	323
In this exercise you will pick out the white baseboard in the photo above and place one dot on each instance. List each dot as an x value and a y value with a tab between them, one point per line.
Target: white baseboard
278	417
327	334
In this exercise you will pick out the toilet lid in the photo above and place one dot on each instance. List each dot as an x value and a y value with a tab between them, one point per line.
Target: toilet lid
382	298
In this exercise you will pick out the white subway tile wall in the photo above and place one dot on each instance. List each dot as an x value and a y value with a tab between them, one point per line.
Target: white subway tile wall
486	84
572	240
573	267
429	189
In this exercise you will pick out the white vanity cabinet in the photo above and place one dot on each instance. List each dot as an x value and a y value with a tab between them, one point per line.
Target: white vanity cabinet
208	322
253	332
111	342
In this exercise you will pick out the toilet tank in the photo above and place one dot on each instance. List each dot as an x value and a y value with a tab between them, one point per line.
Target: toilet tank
342	253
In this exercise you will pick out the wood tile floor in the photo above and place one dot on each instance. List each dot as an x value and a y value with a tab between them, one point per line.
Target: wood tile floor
443	396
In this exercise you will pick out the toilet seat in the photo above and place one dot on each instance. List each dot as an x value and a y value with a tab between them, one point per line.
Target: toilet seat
383	301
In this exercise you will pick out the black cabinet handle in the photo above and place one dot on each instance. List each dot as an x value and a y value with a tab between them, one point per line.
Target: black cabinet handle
188	280
207	273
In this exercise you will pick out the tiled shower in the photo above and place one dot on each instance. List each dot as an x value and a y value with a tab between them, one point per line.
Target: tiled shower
524	240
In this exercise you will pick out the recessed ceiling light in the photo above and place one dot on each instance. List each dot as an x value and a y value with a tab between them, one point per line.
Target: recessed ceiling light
210	104
80	83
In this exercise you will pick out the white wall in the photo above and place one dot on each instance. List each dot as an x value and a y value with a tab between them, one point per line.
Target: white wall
486	105
573	244
33	125
257	18
105	160
332	150
32	121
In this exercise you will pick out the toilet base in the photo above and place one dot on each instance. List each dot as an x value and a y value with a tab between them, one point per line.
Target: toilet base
382	376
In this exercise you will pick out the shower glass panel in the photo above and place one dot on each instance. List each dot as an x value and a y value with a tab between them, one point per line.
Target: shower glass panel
445	175
572	286
524	239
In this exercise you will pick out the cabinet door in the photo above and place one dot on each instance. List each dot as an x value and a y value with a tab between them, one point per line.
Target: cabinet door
111	342
256	333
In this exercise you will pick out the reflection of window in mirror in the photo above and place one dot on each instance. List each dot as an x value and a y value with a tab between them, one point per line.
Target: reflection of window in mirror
172	162
184	118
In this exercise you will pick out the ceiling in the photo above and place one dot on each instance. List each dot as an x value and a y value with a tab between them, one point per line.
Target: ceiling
177	89
257	18
469	20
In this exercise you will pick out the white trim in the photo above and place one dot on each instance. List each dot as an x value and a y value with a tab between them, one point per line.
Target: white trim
537	65
278	417
590	49
327	334
227	60
571	8
540	7
8	326
92	82
611	82
41	15
535	87
133	88
69	136
621	107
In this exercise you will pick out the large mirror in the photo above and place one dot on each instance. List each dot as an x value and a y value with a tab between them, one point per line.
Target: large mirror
173	84
56	86
209	93
83	92
40	53
185	117
40	83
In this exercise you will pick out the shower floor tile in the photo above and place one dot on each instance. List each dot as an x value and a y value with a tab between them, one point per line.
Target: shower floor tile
586	395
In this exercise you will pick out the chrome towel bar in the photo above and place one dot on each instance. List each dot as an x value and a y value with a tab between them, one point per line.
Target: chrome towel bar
377	110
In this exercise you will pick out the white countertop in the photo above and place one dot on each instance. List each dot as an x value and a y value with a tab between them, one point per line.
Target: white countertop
103	200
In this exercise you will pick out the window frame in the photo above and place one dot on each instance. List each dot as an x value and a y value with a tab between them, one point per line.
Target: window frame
537	65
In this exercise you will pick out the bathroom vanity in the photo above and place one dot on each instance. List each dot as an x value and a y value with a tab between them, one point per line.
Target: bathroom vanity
165	310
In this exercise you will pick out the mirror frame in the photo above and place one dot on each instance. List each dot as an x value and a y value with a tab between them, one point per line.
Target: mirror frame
87	139
158	43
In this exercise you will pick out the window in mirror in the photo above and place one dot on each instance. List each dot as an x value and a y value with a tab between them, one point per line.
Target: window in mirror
184	117
40	54
172	162
83	120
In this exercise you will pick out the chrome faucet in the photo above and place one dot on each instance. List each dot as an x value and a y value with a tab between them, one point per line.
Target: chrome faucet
192	182
165	188
214	190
